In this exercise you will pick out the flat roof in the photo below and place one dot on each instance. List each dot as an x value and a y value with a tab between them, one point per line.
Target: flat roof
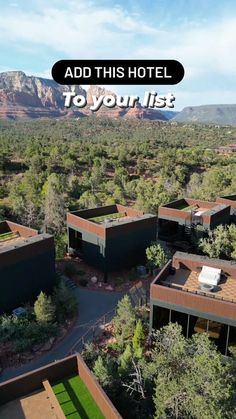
111	215
124	220
189	205
20	241
187	280
11	241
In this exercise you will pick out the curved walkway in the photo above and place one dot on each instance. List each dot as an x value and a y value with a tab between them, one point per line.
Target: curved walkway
91	306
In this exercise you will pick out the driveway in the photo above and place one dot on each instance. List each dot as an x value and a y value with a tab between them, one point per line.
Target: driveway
91	306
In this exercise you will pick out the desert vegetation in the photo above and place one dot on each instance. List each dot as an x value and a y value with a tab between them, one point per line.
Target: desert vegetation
49	166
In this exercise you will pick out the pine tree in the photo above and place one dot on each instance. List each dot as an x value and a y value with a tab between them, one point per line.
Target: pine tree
44	309
64	301
126	359
54	208
124	321
138	339
101	372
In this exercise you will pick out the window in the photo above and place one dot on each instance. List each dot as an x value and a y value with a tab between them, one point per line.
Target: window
160	317
181	319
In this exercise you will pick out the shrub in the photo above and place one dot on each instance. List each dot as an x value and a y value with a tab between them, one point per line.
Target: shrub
44	309
156	256
8	327
24	333
40	332
64	301
23	344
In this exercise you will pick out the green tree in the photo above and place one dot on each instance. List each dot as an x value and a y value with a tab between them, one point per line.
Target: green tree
126	359
124	321
219	242
25	198
54	207
61	241
138	339
44	308
156	256
101	372
191	380
64	301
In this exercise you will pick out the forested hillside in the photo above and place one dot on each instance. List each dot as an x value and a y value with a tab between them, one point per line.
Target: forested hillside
48	166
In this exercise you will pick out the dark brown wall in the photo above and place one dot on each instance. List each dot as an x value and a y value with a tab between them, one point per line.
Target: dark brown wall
32	381
194	301
203	204
7	226
74	220
4	227
26	251
226	201
106	210
126	228
221	216
107	232
172	213
96	212
190	299
22	230
74	364
163	274
131	212
195	262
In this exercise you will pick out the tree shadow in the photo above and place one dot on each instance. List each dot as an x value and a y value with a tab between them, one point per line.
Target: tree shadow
75	401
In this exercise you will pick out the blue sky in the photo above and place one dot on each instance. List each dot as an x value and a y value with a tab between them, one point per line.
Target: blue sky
199	33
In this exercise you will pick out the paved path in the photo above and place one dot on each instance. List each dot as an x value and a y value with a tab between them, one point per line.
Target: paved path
91	305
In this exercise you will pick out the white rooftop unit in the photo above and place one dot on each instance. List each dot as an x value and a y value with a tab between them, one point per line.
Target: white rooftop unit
209	276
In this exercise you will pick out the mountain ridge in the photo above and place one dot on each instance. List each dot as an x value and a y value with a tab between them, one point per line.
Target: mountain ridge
224	114
23	96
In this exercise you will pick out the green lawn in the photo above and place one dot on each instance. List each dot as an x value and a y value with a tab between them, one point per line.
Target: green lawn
8	235
75	399
187	207
108	217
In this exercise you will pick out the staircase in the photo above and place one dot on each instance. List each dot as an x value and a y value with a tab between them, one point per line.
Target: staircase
139	294
68	282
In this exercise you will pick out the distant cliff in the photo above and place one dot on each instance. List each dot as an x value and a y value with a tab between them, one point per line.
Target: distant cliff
208	114
23	96
33	97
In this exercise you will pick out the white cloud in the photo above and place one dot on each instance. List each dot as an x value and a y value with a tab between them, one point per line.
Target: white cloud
81	29
84	30
203	50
